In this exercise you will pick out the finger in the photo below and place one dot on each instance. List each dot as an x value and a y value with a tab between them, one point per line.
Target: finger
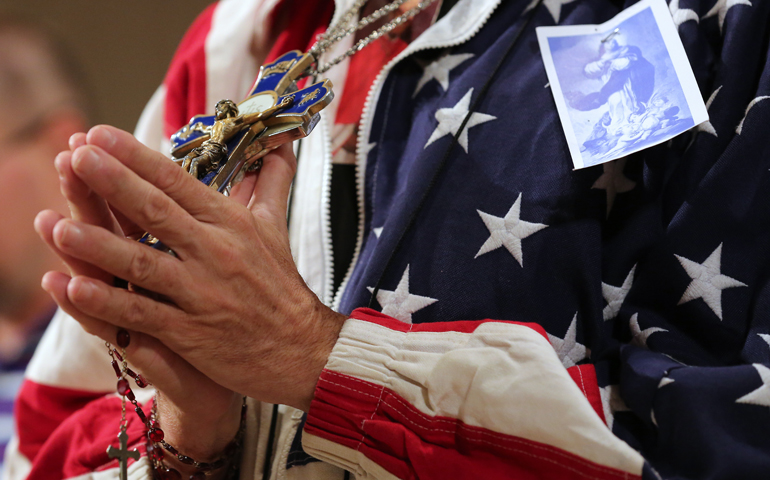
44	225
122	308
242	192
55	283
129	228
274	182
141	202
121	257
77	140
84	204
153	359
156	169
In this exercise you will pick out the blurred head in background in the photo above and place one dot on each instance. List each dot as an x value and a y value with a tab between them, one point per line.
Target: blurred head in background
42	103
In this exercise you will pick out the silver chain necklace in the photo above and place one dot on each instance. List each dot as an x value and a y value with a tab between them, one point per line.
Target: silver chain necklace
344	27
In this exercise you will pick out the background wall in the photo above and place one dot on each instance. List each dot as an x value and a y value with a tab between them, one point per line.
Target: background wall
124	47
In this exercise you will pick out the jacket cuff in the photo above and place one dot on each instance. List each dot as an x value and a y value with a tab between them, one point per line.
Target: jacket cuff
455	399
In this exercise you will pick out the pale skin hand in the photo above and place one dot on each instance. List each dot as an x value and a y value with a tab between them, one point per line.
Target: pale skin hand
236	309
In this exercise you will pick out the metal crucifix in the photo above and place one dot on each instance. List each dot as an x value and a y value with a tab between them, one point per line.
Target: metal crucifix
274	113
217	148
123	454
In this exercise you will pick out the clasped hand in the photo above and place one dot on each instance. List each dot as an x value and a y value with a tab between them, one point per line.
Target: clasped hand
230	314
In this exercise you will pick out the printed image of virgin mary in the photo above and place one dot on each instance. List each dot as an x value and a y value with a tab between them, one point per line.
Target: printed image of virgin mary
627	90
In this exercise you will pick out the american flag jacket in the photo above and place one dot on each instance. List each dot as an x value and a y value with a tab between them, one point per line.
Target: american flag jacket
531	321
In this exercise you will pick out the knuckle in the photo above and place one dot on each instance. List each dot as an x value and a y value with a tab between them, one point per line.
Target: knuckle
172	178
141	265
155	210
134	312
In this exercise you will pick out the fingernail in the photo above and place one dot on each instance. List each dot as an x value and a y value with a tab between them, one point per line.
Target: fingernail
86	289
57	163
73	141
72	233
45	281
101	136
86	160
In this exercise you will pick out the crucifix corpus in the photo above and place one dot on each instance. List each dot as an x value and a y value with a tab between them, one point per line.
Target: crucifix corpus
214	148
217	149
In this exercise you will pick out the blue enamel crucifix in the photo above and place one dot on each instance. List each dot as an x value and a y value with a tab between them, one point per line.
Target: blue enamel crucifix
275	112
216	148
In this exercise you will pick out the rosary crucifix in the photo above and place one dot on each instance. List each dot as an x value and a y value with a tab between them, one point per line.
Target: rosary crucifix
123	454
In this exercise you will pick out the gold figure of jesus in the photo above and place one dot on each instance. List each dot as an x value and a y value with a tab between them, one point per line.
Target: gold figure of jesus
228	123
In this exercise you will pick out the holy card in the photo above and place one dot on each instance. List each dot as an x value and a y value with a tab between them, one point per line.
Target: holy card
621	86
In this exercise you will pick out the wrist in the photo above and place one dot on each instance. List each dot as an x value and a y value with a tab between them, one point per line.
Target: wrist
196	445
327	326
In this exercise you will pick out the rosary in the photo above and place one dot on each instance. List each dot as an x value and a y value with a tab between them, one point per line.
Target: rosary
217	150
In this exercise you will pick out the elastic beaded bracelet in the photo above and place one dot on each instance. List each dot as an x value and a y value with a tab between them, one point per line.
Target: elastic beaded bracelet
157	444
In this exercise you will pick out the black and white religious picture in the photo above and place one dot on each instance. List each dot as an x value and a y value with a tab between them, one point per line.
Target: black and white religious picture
621	86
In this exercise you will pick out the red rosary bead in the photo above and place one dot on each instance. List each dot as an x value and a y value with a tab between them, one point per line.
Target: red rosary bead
141	414
156	435
198	476
140	381
123	339
123	387
116	368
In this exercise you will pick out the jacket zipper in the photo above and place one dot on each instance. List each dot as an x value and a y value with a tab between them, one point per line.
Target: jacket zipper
362	141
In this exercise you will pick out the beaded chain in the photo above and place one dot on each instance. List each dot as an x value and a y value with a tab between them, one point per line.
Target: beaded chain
343	28
156	444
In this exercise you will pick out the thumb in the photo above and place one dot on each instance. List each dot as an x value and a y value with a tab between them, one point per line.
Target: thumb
271	191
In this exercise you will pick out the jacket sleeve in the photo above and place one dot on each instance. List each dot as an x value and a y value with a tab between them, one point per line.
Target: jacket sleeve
459	400
492	399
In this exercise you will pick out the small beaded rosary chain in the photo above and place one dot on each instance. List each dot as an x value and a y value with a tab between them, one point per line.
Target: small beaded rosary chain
156	444
343	28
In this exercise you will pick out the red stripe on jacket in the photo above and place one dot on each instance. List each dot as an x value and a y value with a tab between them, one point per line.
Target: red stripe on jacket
40	409
411	444
186	77
79	445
